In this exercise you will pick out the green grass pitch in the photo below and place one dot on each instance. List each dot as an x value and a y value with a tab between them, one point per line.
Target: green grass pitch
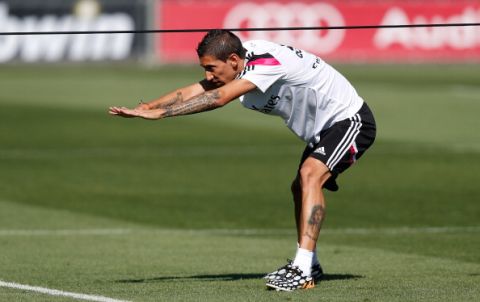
198	208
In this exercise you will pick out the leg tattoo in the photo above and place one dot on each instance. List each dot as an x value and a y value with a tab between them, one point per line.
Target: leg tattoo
316	217
315	222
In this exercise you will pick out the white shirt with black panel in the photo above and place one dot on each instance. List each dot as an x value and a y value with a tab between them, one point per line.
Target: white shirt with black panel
307	93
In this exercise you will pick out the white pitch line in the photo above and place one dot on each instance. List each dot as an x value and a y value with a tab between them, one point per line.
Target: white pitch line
244	232
55	292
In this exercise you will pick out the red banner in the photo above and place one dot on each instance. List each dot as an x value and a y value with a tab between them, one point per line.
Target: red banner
372	45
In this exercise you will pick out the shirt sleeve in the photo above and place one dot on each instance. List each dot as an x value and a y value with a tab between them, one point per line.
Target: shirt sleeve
263	71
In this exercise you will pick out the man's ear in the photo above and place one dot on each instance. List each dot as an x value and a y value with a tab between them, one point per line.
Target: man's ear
234	60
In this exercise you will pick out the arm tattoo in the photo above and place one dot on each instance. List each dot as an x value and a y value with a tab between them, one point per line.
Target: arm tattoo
177	99
203	102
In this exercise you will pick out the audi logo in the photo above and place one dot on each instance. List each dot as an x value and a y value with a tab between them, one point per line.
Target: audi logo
250	14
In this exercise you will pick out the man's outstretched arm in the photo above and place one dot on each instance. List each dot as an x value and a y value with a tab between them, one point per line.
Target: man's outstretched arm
205	101
179	95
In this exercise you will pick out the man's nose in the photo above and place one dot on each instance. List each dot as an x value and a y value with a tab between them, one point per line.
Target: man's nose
208	75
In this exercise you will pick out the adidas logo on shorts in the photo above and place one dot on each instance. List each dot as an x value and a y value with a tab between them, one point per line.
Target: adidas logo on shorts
320	150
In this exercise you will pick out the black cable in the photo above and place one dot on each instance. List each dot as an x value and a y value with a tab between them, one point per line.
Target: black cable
150	31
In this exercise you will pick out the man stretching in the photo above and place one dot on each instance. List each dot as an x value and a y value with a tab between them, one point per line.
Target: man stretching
315	101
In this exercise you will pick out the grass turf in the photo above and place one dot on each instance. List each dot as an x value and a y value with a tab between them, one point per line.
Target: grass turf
65	164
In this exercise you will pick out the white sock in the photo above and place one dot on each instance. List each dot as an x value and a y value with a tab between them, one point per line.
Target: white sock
303	260
315	256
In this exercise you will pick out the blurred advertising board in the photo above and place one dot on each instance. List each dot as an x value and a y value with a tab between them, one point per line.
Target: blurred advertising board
435	44
71	15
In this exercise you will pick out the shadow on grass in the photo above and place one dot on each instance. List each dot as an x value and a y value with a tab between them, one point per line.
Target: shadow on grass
230	277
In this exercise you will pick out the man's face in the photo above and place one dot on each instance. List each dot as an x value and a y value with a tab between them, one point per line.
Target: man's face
219	72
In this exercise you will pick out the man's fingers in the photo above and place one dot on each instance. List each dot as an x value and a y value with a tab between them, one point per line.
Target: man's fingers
122	111
126	112
115	111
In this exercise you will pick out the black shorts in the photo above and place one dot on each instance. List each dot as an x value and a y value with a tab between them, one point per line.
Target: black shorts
343	143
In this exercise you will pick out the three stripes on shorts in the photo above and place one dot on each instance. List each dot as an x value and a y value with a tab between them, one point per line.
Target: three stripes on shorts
347	142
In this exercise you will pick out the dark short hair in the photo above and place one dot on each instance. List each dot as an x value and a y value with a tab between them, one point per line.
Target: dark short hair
221	44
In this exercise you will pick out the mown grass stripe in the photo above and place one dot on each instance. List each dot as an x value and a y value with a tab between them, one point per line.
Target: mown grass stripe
245	232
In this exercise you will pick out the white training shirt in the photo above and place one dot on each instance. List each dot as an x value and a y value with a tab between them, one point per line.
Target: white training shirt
307	93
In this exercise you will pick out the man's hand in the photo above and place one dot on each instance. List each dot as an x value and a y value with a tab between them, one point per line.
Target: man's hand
128	113
143	106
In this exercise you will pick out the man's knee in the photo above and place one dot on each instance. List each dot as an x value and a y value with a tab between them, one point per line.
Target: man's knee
313	172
